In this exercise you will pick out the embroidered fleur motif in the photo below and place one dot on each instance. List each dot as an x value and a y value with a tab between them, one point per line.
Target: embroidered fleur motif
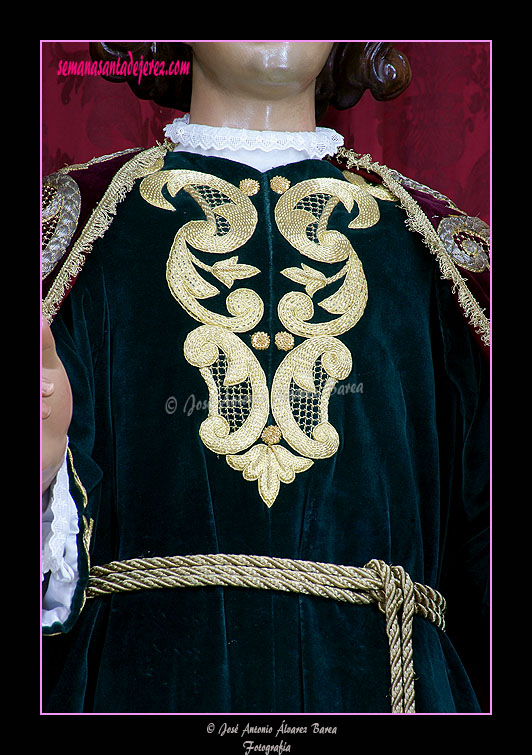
312	279
269	465
229	270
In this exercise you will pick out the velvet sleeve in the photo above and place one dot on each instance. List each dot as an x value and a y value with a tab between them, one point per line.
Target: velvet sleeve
465	578
77	330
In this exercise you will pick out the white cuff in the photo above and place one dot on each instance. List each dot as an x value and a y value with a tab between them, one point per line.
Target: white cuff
59	549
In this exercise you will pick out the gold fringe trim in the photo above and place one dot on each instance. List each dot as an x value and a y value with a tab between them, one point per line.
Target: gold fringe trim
148	161
418	222
89	523
101	159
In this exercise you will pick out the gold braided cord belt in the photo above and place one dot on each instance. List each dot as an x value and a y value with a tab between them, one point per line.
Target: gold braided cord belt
390	587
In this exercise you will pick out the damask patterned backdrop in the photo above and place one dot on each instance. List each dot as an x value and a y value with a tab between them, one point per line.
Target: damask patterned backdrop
437	132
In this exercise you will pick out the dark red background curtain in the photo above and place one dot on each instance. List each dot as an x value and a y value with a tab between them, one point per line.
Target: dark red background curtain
437	132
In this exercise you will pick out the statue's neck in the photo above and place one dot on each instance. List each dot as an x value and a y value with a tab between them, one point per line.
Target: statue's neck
289	109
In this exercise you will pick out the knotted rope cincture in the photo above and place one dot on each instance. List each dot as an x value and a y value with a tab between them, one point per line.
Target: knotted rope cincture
396	595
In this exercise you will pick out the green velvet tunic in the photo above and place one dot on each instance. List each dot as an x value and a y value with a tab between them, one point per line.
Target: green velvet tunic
406	480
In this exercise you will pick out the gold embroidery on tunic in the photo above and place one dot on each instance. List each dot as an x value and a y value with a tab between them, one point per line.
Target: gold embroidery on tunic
239	397
269	465
300	394
260	340
284	341
279	184
376	190
249	186
302	214
271	435
230	220
238	393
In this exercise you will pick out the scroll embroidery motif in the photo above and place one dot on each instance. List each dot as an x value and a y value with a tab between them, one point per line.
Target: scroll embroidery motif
302	215
238	394
230	219
240	400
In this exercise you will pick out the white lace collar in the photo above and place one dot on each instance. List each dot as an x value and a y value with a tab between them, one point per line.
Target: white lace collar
262	149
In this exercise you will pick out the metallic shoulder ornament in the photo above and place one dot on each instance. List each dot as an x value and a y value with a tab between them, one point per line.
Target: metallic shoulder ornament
456	240
71	224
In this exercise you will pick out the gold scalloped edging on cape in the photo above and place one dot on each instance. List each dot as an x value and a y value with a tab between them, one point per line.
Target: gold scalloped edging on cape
418	222
121	184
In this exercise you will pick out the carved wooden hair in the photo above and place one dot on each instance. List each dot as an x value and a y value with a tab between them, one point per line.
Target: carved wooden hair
350	70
